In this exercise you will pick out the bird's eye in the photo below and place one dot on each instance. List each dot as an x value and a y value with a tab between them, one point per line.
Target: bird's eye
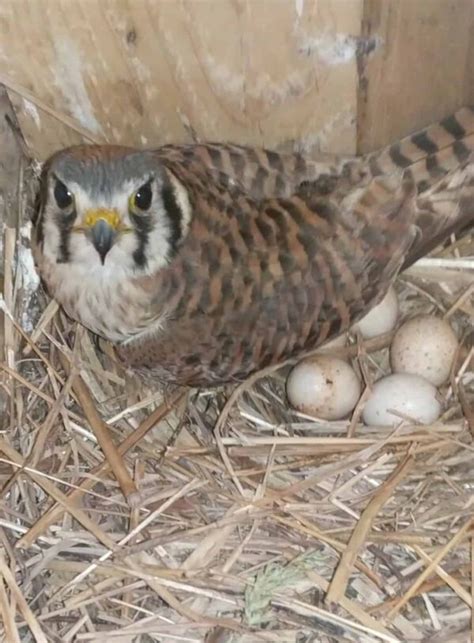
62	195
143	197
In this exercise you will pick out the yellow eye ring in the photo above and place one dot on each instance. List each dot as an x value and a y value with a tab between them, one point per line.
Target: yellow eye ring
131	203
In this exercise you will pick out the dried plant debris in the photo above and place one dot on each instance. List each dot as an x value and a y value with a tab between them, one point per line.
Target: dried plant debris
237	519
273	579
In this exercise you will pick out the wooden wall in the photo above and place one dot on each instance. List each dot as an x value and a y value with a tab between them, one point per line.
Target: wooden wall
335	76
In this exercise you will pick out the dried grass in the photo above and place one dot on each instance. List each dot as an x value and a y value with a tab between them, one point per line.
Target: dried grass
228	517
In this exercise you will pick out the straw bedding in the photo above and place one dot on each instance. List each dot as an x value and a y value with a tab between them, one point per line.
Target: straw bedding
236	519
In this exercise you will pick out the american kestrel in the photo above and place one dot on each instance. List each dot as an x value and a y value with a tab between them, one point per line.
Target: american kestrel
205	263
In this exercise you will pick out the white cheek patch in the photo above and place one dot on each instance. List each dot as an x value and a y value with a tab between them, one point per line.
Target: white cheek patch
122	251
51	238
120	259
158	247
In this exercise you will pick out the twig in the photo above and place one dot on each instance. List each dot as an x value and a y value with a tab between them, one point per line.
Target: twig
100	470
28	615
340	579
472	588
102	433
8	617
431	568
59	496
448	579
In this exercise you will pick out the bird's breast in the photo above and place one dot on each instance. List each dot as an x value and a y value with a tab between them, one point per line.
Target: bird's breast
112	306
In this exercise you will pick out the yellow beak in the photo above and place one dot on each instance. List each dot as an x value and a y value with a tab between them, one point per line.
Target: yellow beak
102	225
109	216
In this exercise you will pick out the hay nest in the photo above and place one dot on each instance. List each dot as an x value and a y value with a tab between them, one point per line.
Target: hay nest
228	517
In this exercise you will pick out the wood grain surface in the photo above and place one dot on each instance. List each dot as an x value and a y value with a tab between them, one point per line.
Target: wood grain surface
323	76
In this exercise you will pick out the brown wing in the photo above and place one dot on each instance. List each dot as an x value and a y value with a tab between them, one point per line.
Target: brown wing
427	155
439	160
261	279
259	172
256	283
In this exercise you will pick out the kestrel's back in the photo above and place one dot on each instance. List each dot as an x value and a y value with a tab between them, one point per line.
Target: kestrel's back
205	263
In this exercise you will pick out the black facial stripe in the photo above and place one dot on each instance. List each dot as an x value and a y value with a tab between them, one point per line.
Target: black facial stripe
175	215
39	232
143	228
64	253
37	217
139	254
64	223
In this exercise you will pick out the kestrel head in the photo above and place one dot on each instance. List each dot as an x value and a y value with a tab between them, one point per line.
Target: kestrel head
110	208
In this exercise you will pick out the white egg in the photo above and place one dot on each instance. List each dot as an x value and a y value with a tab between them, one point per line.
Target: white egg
410	395
323	386
426	346
381	319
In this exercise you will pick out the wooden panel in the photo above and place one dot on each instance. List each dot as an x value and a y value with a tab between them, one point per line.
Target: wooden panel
272	72
421	71
282	73
469	85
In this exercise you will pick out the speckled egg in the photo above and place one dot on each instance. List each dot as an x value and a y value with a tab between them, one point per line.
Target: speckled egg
405	393
323	386
425	345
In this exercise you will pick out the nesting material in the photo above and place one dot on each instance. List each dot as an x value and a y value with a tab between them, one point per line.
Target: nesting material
277	527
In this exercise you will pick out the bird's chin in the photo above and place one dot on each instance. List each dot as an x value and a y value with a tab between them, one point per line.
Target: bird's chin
88	260
110	271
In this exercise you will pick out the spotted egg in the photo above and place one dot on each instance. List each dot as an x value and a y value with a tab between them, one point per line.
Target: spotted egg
323	386
425	345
